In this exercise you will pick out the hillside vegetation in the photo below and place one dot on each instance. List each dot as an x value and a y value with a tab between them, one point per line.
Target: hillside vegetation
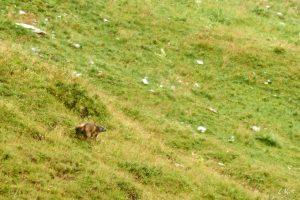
89	66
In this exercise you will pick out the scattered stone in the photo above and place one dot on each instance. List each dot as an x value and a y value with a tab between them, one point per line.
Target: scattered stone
22	12
105	20
76	45
201	129
197	85
180	81
53	35
212	110
152	91
268	6
173	87
76	74
100	73
179	165
255	128
91	62
221	164
279	14
198	1
267	82
231	139
161	85
145	81
162	51
35	50
200	62
282	24
32	28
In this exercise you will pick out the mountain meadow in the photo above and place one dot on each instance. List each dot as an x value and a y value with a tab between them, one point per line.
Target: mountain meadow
200	99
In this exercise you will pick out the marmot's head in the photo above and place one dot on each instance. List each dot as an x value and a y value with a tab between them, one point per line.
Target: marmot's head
100	129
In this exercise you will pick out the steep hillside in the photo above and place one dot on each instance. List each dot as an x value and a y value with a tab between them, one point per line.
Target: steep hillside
231	67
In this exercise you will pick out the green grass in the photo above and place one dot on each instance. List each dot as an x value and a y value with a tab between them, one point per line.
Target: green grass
152	149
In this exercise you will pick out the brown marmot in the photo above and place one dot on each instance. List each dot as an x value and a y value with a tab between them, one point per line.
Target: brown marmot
89	130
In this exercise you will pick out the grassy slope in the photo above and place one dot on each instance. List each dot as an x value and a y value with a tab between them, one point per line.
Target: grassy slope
152	149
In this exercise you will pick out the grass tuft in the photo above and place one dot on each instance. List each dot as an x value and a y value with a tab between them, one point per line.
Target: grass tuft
76	99
269	140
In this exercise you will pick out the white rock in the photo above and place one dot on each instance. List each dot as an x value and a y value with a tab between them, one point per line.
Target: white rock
145	81
178	165
91	62
231	138
35	50
197	85
76	74
105	20
279	14
212	110
200	62
161	85
221	164
100	73
22	12
201	129
77	46
268	82
162	51
33	28
255	128
282	24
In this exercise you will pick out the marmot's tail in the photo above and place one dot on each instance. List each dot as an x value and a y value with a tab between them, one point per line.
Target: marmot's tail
79	128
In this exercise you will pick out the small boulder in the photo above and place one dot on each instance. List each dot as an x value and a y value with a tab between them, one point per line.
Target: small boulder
76	45
200	62
255	128
231	139
145	81
201	129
